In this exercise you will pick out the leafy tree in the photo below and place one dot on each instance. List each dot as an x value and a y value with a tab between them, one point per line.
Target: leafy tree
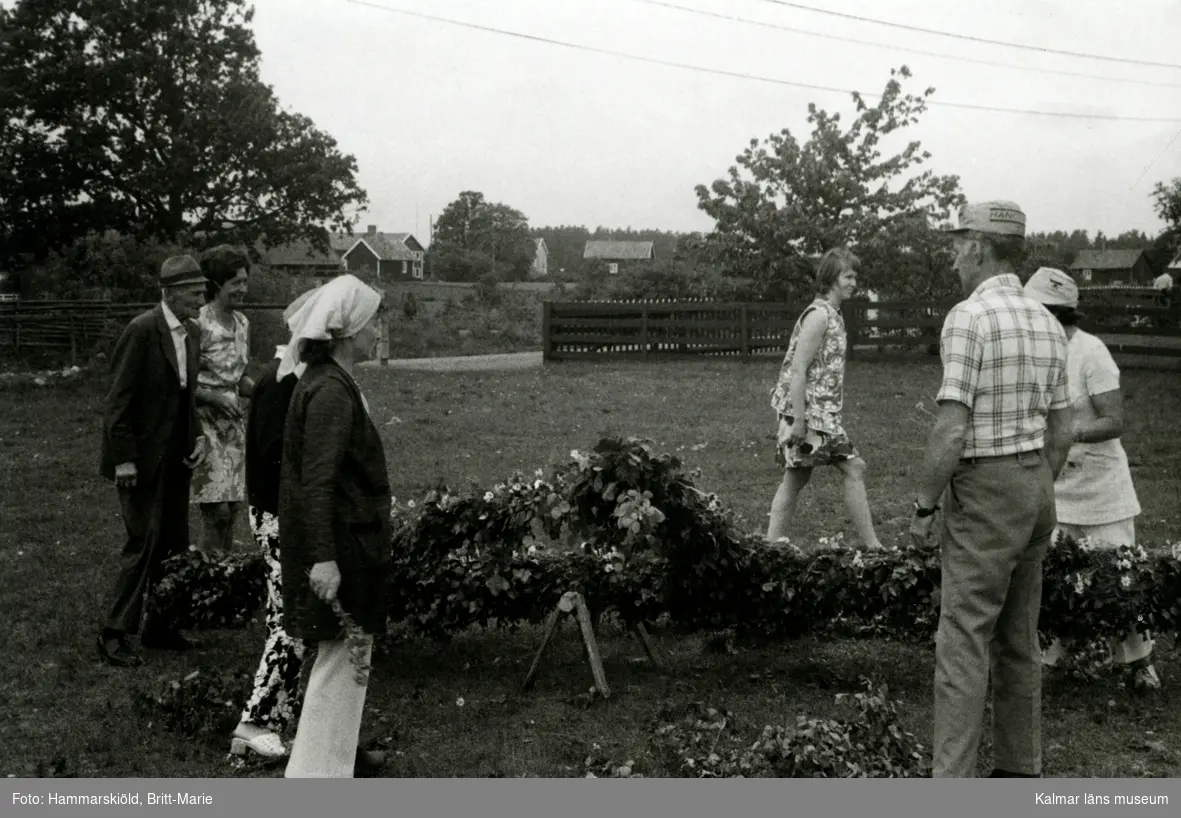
1168	207
102	265
452	263
1168	202
784	200
149	117
470	229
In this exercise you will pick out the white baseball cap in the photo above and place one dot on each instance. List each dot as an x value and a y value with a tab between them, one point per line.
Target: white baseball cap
1053	288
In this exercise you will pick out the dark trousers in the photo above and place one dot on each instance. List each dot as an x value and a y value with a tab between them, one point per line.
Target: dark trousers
156	515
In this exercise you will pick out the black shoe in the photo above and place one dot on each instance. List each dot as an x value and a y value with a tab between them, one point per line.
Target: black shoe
113	649
369	764
167	640
1008	774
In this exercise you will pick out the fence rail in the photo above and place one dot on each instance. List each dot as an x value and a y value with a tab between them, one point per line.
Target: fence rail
659	330
74	327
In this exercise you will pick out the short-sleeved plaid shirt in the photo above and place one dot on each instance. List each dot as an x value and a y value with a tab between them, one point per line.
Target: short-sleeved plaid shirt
1004	357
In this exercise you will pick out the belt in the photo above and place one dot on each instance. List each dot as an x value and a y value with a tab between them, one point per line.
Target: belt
1003	458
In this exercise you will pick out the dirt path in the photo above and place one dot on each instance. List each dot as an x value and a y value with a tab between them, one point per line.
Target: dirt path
464	363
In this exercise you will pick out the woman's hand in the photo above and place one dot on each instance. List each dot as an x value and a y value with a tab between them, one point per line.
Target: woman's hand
325	580
223	403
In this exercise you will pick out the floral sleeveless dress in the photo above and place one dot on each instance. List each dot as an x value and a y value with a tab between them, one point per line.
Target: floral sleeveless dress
826	442
221	478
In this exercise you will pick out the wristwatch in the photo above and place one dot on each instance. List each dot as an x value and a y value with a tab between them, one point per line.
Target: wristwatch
919	511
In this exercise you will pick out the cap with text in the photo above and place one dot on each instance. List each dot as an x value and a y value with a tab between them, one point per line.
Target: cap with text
999	218
1053	288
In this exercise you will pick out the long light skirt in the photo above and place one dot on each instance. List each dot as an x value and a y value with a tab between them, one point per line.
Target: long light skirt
330	722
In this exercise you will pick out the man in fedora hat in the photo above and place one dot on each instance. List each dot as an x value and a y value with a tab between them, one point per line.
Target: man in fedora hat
1000	439
150	444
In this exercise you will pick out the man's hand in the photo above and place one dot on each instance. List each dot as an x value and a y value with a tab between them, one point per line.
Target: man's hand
197	456
325	580
920	528
125	475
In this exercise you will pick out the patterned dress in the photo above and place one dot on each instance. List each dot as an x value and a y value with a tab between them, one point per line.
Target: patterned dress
224	355
824	394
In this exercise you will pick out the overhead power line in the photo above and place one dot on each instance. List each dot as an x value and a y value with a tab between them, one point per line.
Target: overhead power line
905	49
971	38
752	77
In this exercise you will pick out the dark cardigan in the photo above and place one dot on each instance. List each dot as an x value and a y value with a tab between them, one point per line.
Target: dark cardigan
334	504
264	437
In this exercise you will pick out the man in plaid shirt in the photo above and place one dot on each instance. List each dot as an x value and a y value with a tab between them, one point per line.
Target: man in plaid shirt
1000	439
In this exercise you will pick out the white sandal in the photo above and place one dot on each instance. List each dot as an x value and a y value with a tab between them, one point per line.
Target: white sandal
267	745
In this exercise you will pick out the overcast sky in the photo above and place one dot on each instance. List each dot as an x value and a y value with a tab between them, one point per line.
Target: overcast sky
573	137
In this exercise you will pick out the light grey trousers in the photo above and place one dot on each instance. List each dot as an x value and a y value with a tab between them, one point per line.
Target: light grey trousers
997	525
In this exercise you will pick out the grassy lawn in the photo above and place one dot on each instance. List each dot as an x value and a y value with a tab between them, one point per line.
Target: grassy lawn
61	533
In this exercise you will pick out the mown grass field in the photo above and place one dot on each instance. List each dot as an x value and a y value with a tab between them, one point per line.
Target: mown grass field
457	709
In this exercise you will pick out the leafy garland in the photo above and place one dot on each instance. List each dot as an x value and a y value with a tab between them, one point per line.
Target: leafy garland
629	530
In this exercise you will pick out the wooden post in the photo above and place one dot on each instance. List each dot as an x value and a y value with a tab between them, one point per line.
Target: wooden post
547	344
852	327
551	627
642	634
644	330
384	342
745	329
573	603
592	647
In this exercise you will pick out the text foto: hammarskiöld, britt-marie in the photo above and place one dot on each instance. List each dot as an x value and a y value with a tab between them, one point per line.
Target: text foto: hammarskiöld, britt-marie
134	799
1058	799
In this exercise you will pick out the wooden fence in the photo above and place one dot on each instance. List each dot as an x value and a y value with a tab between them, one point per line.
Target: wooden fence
76	329
663	329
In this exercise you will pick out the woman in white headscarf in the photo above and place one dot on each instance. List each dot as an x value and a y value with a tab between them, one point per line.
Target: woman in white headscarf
334	508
